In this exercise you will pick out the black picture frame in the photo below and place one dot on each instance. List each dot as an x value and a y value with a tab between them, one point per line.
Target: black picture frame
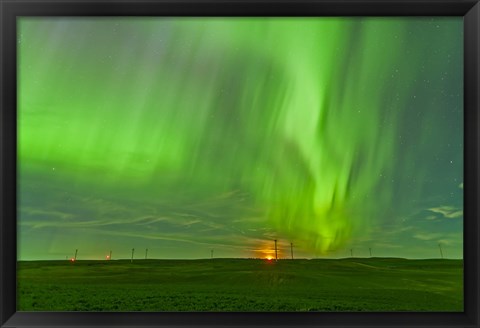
10	10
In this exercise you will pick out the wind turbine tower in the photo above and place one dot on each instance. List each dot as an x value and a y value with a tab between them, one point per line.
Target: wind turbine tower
441	252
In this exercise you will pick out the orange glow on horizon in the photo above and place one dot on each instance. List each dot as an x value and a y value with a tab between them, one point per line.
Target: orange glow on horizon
266	250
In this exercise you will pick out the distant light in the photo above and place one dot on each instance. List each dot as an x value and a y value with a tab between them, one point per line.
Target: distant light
108	257
269	258
72	260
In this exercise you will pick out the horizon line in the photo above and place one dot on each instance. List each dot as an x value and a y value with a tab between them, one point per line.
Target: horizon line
238	258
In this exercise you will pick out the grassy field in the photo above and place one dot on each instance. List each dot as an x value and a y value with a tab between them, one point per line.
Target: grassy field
355	284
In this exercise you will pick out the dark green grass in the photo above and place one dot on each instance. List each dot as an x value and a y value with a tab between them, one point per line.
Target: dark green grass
355	284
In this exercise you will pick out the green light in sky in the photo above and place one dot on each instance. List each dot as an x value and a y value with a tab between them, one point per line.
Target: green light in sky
323	131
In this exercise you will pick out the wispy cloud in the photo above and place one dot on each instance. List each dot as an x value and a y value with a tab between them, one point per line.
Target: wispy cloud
448	211
450	242
38	212
427	236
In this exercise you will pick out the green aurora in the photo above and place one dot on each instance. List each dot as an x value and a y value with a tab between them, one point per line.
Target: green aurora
183	135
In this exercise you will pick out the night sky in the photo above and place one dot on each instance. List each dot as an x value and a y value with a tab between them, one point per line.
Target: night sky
183	135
